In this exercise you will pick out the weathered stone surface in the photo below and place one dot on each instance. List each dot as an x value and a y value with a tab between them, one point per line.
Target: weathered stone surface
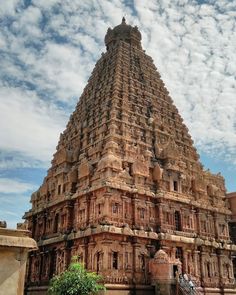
126	181
14	247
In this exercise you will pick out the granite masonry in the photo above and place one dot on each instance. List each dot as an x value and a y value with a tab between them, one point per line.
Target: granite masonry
126	193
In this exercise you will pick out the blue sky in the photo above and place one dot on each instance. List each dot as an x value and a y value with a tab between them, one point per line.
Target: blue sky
48	49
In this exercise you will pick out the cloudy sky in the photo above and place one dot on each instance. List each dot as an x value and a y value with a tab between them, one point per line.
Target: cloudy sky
48	49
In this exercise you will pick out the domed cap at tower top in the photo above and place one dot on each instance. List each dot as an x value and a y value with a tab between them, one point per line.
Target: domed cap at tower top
125	33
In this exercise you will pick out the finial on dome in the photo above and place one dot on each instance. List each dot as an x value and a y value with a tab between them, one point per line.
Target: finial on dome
125	33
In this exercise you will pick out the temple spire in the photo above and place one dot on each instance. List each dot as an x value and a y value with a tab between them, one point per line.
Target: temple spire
123	21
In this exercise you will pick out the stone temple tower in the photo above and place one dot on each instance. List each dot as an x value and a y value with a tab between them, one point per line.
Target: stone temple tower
126	192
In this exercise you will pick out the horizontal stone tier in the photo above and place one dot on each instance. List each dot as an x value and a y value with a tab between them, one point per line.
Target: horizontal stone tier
126	231
160	195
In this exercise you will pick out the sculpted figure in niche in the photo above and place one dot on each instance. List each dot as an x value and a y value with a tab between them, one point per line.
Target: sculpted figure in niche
157	149
171	164
158	174
213	191
171	150
140	166
125	173
186	183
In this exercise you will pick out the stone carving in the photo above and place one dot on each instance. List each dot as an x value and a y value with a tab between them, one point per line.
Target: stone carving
170	150
73	175
140	167
213	190
84	169
157	172
110	161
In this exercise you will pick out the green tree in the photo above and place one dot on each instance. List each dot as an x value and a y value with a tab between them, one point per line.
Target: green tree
76	280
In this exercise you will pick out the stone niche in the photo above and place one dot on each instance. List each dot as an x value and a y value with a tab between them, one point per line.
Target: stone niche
14	247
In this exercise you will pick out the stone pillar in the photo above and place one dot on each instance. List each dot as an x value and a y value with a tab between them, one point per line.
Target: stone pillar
88	202
90	254
76	215
92	209
67	257
185	261
123	244
161	216
195	258
216	225
123	208
173	253
219	257
148	215
134	209
69	216
14	247
106	204
105	247
41	258
135	260
202	254
198	225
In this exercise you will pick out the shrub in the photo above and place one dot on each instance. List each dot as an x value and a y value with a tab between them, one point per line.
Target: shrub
76	280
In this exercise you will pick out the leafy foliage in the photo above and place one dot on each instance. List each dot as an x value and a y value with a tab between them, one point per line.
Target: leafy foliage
76	280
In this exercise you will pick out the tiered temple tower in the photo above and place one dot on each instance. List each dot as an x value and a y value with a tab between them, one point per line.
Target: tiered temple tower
126	191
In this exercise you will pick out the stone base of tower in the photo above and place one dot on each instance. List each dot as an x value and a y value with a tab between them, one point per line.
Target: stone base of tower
124	256
111	289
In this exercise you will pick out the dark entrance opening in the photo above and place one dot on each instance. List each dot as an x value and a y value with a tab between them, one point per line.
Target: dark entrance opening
56	221
175	185
52	268
175	270
115	260
178	221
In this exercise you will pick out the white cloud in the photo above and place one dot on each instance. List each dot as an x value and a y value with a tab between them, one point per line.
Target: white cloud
49	49
53	45
8	186
44	4
8	7
193	57
31	126
13	159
